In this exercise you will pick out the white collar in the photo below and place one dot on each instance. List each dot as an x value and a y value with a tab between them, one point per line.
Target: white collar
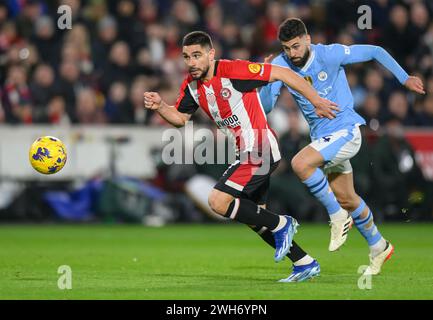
309	61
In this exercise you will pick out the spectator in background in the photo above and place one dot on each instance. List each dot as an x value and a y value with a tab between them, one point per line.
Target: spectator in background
2	111
340	14
22	54
94	11
380	11
426	115
139	115
239	52
8	36
156	43
185	15
374	84
77	48
46	40
88	110
17	96
358	91
370	111
274	16
230	38
420	18
68	83
345	38
144	65
56	111
119	66
424	53
398	107
429	85
214	20
105	38
4	12
396	171
76	10
30	12
130	28
116	107
172	41
265	33
42	90
399	36
245	13
147	12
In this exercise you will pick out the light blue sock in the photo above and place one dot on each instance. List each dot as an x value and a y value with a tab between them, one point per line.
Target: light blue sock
319	187
371	234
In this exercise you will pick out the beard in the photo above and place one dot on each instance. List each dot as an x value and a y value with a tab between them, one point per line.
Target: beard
198	73
300	62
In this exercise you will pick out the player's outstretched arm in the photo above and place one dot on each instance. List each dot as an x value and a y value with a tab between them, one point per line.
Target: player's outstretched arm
324	107
153	101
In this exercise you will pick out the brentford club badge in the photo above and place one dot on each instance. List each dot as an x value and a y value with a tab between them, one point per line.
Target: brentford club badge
225	93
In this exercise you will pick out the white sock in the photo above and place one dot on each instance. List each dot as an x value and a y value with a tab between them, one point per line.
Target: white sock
281	224
304	261
339	215
378	247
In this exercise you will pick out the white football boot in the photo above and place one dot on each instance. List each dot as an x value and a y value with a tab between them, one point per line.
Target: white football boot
339	230
377	262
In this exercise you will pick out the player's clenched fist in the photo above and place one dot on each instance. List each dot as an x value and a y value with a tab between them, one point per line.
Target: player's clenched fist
152	100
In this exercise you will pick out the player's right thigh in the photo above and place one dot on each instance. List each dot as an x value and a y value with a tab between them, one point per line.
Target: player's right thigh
338	148
219	201
306	161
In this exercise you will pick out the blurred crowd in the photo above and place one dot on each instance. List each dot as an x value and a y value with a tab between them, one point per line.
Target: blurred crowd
97	71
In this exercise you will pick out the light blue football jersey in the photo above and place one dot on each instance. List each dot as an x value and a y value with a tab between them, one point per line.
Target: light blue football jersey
324	70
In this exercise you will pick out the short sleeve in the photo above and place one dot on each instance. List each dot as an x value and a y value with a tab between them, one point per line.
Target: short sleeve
244	70
185	103
339	54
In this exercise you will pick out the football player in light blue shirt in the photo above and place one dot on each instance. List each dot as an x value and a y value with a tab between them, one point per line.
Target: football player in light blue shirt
334	141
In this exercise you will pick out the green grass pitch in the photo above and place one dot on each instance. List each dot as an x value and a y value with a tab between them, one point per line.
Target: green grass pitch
202	262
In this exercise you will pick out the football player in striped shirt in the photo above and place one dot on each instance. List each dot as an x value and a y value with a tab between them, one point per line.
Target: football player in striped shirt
227	92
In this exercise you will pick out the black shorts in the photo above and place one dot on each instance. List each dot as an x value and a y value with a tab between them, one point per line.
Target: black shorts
247	180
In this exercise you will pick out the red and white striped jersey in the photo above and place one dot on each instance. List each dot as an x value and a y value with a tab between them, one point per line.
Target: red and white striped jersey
231	99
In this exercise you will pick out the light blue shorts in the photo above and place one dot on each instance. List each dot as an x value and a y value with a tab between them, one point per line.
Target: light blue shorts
338	148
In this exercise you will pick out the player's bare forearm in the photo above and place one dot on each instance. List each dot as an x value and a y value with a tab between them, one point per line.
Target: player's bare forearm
324	107
172	115
153	101
295	82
